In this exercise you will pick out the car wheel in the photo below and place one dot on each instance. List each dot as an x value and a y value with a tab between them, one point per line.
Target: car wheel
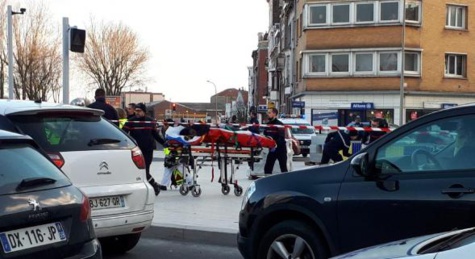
291	239
119	244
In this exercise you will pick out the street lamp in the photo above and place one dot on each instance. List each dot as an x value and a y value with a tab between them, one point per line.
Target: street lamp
215	99
403	64
10	13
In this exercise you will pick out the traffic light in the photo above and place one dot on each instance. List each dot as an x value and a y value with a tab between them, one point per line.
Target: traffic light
173	106
77	40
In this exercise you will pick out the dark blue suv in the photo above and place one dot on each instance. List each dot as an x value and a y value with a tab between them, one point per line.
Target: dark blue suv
418	179
42	215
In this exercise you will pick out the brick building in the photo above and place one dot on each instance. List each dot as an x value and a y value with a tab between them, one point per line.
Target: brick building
190	111
347	57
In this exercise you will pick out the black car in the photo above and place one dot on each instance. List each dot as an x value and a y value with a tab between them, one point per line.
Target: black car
42	215
400	186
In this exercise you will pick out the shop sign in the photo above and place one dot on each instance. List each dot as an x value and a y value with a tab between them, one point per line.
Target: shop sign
362	106
447	105
262	108
115	101
298	104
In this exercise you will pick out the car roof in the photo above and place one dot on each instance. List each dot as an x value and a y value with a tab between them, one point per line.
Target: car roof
294	121
12	135
8	107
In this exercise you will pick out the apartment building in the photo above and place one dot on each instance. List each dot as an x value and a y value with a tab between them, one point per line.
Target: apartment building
344	58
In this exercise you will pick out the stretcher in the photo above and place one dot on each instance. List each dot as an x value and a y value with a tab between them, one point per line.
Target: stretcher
229	148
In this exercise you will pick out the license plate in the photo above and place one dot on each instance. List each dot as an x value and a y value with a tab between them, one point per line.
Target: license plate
106	202
26	238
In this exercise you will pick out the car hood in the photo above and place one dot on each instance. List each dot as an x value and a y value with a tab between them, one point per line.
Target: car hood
405	248
303	180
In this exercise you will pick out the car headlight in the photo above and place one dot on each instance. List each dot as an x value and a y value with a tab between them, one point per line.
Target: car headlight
250	190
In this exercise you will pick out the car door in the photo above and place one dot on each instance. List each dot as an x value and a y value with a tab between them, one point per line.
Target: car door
415	187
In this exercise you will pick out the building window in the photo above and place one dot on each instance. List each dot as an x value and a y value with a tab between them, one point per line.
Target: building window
411	63
388	61
456	16
455	65
340	63
318	15
364	62
317	63
389	11
360	63
413	11
364	12
341	13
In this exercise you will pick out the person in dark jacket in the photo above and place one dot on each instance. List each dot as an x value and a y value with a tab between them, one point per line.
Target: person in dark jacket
109	112
145	131
278	134
373	135
130	110
254	120
334	143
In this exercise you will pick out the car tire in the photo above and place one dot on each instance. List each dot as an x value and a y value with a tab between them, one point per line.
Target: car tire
279	242
119	244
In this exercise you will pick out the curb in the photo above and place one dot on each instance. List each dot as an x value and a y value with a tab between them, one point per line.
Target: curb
191	235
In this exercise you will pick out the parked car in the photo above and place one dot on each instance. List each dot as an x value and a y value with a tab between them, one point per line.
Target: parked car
42	215
302	134
448	245
98	157
400	186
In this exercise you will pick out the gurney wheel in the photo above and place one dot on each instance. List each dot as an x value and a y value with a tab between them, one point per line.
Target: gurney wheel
238	191
225	189
196	192
184	190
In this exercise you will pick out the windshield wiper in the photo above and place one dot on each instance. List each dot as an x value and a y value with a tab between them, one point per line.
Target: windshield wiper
34	181
100	141
448	243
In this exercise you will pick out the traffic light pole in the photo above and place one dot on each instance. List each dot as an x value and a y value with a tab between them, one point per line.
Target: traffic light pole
65	60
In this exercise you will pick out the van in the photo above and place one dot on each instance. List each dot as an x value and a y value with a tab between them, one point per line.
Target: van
302	134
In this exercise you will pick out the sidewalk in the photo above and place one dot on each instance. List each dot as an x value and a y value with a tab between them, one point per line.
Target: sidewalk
212	217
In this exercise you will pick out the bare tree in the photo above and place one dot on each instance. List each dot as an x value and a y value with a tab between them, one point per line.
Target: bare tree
112	58
37	58
3	55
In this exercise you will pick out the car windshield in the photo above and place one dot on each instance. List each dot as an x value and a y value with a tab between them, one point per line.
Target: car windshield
22	163
72	132
302	131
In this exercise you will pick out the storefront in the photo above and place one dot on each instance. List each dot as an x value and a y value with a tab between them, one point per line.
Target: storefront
342	117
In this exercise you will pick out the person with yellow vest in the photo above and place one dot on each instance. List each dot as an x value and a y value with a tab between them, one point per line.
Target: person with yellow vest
122	117
169	161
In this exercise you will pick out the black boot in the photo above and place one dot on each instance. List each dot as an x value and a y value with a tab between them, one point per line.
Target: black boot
156	187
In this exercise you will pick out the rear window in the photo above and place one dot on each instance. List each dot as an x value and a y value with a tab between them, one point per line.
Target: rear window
302	131
20	162
72	132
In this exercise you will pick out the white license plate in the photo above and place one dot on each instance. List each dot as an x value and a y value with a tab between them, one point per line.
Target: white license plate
25	238
106	202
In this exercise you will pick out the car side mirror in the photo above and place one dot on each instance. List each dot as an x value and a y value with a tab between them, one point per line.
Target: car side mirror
359	163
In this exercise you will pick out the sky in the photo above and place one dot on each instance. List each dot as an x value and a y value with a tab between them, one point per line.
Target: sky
190	41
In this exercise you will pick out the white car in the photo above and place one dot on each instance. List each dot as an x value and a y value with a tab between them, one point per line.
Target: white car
303	134
455	244
98	157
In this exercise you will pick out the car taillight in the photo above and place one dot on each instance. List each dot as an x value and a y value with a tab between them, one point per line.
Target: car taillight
137	157
57	159
85	209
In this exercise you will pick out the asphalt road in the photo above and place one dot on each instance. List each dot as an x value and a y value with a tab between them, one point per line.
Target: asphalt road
159	248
